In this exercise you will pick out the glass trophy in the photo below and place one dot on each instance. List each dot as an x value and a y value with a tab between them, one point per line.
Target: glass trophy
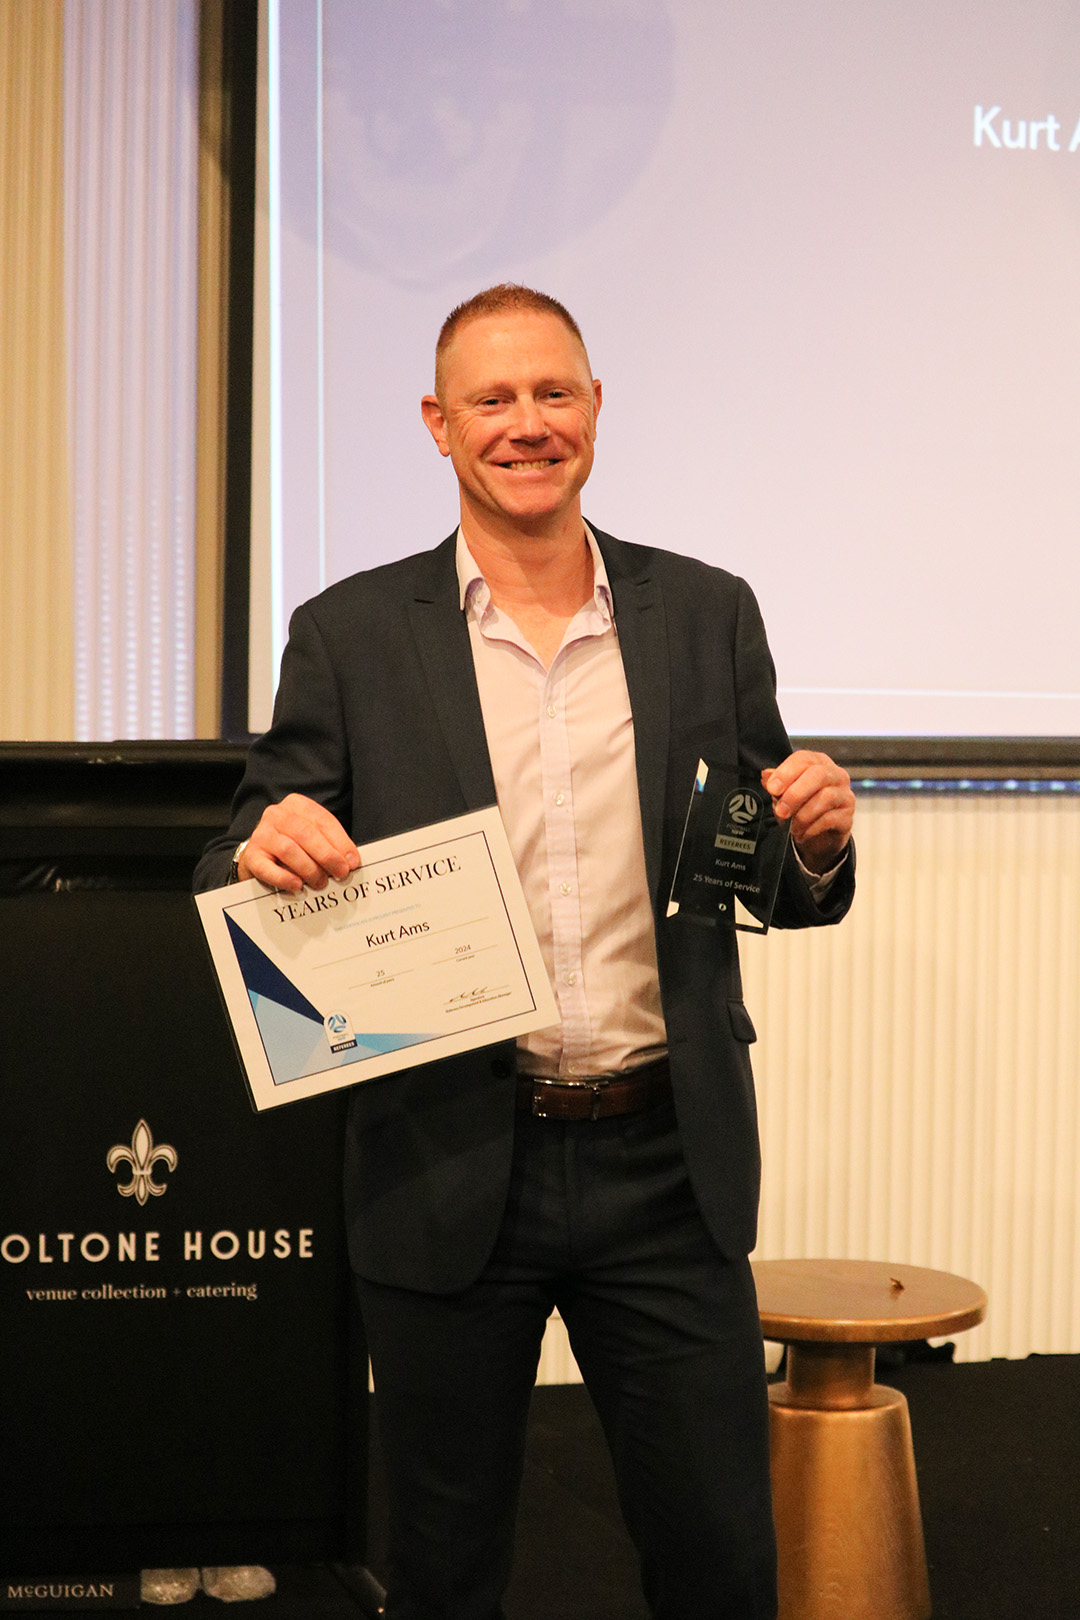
732	851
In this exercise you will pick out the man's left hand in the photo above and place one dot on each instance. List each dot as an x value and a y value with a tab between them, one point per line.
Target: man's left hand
814	793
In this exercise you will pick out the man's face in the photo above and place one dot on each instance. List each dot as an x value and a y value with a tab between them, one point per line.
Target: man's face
517	417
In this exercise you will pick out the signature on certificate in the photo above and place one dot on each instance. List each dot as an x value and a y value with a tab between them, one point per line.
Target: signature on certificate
472	998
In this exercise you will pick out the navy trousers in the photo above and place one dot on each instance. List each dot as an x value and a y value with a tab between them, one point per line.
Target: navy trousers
602	1224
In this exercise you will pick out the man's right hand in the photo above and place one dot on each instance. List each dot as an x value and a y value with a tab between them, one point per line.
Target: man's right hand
298	841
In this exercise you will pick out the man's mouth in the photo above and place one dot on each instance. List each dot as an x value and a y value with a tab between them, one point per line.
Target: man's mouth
528	466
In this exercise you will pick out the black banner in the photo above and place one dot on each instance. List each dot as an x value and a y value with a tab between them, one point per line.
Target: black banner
174	1357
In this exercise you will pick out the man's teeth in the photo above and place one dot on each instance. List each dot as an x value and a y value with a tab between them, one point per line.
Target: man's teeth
528	466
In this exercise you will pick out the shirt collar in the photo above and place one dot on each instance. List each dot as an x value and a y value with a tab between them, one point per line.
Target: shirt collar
475	596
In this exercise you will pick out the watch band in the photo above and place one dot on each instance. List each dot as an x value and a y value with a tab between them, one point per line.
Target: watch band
234	869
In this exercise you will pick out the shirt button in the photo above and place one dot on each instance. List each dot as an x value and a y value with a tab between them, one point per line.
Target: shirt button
560	798
565	888
571	978
552	711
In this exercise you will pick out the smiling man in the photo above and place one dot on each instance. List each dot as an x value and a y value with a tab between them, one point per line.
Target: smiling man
606	1166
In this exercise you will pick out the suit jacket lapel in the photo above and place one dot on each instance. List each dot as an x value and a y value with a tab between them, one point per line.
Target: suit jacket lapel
442	640
642	627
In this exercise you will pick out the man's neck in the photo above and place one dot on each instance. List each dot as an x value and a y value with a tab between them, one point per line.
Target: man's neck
551	574
539	583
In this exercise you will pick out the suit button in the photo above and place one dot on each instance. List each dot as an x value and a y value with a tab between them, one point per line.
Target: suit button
500	1068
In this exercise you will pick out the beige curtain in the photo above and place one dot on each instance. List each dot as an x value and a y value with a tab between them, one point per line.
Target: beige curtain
37	552
213	338
36	643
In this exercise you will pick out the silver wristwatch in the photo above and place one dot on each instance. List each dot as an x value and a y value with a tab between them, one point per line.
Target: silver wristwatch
234	869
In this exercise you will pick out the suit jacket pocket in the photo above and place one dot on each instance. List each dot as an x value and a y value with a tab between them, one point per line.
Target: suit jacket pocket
742	1026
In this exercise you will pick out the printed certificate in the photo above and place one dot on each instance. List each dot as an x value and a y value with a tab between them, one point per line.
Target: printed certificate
425	950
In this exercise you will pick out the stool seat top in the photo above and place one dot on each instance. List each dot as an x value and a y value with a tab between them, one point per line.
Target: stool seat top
862	1301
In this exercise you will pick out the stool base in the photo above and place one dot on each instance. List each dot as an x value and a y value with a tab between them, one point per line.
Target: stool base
849	1532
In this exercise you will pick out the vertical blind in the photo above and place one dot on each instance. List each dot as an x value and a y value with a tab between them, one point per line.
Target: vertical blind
131	212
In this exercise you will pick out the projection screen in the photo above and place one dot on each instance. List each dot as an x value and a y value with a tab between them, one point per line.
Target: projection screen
824	254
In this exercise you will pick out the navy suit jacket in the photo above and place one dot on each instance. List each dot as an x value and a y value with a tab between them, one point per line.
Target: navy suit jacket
378	717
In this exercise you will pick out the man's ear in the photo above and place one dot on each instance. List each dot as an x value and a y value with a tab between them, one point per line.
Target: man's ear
435	422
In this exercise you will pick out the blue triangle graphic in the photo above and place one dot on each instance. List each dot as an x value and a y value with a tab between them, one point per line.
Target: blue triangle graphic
262	978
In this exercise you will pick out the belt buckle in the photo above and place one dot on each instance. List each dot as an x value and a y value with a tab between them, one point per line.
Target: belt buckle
595	1087
536	1106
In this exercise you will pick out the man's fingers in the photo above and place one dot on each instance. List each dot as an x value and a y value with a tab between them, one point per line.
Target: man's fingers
814	793
271	854
829	805
318	832
814	821
255	863
807	785
298	842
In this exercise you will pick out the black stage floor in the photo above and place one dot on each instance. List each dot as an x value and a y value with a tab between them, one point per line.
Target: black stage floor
997	1446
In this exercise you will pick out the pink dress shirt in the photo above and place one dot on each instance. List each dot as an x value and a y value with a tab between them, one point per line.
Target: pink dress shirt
561	743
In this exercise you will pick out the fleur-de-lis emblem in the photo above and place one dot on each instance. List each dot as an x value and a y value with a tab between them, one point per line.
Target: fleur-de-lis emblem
142	1156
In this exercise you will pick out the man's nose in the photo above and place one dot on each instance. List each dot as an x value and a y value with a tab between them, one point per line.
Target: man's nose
528	421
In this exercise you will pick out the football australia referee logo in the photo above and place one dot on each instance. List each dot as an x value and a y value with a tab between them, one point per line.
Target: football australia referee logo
740	821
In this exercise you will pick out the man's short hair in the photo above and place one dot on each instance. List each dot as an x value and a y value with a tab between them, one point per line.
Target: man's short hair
499	300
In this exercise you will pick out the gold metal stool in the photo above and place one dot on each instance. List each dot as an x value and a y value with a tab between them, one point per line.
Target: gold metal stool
848	1528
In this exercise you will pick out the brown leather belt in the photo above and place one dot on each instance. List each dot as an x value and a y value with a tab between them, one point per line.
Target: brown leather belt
595	1098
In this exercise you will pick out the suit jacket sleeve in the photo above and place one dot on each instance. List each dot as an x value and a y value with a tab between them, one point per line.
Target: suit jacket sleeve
763	743
305	750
